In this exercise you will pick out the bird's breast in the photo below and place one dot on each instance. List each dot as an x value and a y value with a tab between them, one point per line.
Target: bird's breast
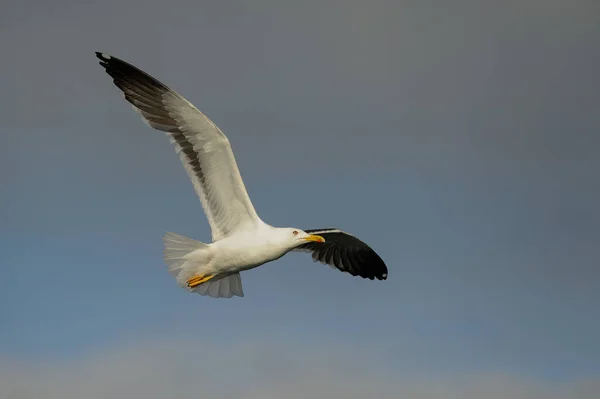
245	252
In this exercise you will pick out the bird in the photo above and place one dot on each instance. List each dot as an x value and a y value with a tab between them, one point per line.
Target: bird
241	240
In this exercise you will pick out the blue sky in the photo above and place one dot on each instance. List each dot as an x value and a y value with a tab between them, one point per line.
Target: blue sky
460	142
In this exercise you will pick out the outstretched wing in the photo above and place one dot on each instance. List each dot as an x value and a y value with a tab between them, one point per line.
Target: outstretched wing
202	147
346	253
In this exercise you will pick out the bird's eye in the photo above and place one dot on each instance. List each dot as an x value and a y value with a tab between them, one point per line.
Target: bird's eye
295	232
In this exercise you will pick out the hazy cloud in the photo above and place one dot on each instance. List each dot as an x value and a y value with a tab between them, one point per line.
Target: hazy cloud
199	369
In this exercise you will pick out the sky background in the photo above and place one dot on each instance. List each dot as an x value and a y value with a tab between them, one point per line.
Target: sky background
459	140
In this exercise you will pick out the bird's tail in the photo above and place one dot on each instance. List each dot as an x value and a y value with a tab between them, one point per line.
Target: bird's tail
176	251
176	247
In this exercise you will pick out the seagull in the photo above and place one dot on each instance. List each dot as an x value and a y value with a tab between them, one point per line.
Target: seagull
241	240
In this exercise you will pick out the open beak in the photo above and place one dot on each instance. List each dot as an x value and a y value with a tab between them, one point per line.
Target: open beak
314	238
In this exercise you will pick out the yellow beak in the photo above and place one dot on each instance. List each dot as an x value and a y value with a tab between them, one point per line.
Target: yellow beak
315	238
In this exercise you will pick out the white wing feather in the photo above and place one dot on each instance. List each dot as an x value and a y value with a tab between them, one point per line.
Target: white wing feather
204	150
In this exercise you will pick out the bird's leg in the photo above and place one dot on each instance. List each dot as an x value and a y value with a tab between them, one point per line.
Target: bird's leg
197	280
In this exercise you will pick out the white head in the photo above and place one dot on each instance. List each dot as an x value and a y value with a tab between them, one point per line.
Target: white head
291	237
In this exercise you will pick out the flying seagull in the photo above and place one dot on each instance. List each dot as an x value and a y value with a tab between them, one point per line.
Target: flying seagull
241	240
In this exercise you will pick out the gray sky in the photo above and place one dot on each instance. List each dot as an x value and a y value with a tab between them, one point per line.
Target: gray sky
459	140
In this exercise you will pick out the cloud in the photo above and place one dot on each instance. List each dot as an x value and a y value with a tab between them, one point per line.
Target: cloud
258	370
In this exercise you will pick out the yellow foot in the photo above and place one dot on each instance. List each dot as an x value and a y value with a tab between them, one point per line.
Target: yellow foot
197	280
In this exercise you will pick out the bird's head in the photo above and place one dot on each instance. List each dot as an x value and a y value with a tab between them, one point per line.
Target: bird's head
296	237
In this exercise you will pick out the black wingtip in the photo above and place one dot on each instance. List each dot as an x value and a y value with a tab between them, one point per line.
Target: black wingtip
347	253
103	56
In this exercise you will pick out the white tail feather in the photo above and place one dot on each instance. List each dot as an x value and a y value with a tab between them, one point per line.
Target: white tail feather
176	251
222	287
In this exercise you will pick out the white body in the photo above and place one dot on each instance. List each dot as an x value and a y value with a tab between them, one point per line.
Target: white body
226	258
240	251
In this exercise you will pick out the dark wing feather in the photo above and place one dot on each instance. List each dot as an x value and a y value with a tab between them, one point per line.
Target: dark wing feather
346	253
